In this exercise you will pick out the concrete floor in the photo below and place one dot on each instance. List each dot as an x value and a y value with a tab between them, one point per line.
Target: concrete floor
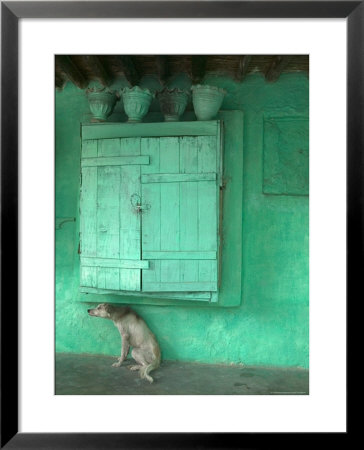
93	375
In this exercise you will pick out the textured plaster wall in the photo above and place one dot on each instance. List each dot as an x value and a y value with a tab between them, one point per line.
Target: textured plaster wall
271	325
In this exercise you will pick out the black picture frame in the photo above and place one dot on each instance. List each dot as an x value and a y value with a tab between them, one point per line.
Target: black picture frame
11	12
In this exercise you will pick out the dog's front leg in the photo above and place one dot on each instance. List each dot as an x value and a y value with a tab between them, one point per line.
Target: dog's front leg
124	351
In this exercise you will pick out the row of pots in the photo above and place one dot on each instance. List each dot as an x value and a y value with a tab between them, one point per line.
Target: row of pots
206	101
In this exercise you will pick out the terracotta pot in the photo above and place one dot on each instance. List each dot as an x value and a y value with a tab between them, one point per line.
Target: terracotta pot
136	102
207	101
101	103
173	103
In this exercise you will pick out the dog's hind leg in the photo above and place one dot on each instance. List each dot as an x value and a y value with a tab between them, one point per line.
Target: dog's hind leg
154	360
145	366
140	358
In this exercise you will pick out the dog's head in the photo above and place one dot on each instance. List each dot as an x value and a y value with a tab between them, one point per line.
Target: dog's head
102	310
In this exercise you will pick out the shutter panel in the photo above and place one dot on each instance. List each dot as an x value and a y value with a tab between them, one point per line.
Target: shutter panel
180	222
110	223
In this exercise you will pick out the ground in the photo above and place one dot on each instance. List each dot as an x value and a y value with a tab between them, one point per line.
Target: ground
93	375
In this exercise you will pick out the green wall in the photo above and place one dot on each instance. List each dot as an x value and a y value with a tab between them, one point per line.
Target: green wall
271	325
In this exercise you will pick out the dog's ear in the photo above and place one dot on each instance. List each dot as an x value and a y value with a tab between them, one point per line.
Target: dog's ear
108	309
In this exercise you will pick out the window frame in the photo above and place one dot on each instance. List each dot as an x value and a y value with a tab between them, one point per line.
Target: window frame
229	289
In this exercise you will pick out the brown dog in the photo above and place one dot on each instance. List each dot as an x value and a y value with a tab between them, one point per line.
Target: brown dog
135	333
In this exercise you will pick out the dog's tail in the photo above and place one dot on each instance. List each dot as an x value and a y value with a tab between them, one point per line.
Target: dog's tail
144	371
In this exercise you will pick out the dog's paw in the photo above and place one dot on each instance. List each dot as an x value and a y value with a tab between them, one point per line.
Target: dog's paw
117	364
134	367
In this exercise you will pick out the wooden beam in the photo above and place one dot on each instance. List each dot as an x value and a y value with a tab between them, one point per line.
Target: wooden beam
71	71
242	71
165	129
59	81
161	63
59	76
176	177
276	67
98	69
198	67
178	255
115	161
116	263
130	71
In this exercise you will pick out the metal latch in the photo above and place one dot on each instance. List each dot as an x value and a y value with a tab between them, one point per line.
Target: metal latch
136	203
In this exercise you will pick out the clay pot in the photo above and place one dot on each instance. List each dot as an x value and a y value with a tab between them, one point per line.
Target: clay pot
101	102
173	103
136	101
207	101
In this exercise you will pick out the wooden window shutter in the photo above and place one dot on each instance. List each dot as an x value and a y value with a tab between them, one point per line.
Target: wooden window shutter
180	192
110	231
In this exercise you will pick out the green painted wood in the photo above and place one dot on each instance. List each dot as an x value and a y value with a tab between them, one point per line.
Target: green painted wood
207	155
180	230
208	210
110	224
194	296
214	297
178	177
178	255
89	148
207	216
107	212
108	148
115	263
108	278
162	218
130	221
151	232
114	161
189	204
88	203
88	224
118	130
88	276
179	286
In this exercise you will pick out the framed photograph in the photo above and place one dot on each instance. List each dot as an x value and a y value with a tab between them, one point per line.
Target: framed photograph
211	239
